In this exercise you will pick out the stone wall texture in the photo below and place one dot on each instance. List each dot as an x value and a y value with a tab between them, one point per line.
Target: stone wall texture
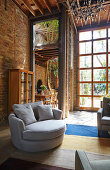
14	48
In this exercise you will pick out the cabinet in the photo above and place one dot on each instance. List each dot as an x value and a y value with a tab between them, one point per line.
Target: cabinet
21	87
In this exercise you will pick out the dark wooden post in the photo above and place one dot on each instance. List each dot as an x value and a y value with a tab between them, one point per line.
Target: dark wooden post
62	61
32	54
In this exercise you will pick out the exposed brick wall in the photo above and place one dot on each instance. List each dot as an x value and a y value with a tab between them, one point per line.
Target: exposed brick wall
14	47
40	73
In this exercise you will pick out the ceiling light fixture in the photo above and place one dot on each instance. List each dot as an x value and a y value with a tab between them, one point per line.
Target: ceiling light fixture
86	10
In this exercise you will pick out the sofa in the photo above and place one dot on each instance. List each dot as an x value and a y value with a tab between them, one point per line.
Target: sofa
103	117
36	127
82	162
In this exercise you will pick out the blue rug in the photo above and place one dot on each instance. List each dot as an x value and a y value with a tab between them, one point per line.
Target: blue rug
82	130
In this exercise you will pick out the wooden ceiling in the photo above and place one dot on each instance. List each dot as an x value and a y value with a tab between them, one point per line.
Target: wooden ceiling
38	7
43	55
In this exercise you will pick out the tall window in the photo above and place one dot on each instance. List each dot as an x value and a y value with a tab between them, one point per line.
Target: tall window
94	67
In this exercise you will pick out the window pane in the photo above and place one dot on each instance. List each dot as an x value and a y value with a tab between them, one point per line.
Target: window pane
99	34
99	75
85	75
108	45
99	88
85	61
85	88
108	74
99	61
109	60
85	101
85	35
97	102
109	32
109	89
99	46
85	48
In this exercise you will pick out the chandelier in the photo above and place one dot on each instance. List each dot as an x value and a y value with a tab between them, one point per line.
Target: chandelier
84	11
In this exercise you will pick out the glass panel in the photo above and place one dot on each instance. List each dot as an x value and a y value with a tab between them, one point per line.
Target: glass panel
30	95
109	60
23	87
109	32
23	76
99	46
85	48
85	35
30	88
85	61
109	89
99	61
85	101
85	88
109	45
85	75
97	102
99	75
108	74
99	88
99	33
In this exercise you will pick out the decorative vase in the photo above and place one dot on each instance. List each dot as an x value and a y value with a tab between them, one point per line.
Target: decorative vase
43	92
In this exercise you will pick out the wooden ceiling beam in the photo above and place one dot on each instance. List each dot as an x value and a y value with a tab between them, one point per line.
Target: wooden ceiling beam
20	7
47	50
108	18
37	59
48	6
26	3
58	6
45	57
38	6
48	53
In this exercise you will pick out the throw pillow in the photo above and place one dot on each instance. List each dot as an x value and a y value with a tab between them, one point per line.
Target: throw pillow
25	113
35	108
45	112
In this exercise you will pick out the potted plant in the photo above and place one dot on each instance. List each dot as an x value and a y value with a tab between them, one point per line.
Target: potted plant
43	88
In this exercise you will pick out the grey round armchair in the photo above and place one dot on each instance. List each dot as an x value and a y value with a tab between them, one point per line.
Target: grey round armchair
37	136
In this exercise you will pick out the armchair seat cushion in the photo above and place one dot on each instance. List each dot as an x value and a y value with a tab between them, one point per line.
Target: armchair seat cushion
44	130
105	120
100	164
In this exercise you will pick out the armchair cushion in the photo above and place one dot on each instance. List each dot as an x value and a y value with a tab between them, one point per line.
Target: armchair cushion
45	112
44	130
106	120
100	165
25	113
106	106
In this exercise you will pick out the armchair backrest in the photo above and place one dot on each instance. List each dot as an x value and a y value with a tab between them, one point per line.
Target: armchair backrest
106	106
